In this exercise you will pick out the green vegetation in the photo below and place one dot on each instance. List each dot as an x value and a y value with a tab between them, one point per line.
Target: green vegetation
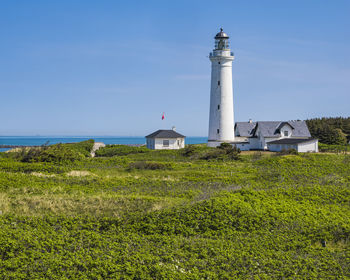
333	131
196	213
119	150
333	148
57	153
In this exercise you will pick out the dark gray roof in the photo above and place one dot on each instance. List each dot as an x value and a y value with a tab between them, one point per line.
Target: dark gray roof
244	129
282	124
165	133
221	35
272	128
300	129
290	141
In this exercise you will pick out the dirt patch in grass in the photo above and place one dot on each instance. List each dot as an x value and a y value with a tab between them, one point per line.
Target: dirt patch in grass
76	173
38	174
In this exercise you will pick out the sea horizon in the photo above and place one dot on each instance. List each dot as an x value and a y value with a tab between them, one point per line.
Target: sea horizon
83	136
50	140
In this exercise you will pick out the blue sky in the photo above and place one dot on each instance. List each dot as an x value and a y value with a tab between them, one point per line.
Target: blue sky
112	67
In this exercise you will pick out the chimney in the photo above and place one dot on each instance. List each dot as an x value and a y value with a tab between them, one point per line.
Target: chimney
173	128
250	121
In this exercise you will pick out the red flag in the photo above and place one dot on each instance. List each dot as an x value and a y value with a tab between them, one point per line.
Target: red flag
163	116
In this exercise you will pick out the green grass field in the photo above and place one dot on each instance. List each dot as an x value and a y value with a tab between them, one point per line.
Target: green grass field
132	213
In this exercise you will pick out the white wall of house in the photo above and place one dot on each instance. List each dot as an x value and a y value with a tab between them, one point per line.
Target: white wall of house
150	143
281	147
267	140
311	146
254	143
165	143
243	146
260	144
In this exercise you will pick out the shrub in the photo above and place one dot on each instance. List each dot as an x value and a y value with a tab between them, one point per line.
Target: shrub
119	150
148	165
29	155
60	153
256	156
333	148
190	150
55	153
213	154
224	151
84	147
287	152
225	146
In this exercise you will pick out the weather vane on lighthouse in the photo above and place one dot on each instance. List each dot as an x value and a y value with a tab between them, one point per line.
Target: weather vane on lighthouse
221	120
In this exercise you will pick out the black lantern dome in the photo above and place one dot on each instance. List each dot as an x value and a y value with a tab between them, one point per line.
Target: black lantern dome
221	35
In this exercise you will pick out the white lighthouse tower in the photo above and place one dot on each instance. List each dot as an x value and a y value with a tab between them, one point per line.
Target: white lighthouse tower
221	122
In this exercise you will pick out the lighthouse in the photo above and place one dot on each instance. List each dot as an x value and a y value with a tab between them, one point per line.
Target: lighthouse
221	122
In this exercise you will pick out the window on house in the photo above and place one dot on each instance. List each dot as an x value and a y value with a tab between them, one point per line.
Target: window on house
165	143
218	131
218	107
178	142
218	83
219	62
286	133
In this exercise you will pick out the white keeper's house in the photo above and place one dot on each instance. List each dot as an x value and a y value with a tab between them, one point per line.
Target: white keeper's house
274	136
261	135
165	139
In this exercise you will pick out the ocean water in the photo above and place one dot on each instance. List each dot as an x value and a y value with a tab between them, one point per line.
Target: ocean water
41	140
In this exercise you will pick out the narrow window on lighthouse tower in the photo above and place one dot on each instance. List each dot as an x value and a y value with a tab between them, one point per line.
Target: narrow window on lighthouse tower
218	131
218	83
219	107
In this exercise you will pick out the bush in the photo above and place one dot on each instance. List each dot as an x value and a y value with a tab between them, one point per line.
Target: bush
224	151
287	152
213	154
190	150
330	130
147	165
256	156
55	153
84	147
59	153
119	150
333	148
225	146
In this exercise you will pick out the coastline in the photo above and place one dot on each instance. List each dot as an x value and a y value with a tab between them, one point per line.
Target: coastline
10	142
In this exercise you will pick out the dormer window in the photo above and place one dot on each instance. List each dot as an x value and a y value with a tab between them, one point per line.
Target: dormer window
285	133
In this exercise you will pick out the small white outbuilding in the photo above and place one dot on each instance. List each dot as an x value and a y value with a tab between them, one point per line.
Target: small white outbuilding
164	139
300	145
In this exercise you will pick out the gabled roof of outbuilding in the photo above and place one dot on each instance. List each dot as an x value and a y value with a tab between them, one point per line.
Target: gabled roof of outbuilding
272	128
165	133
